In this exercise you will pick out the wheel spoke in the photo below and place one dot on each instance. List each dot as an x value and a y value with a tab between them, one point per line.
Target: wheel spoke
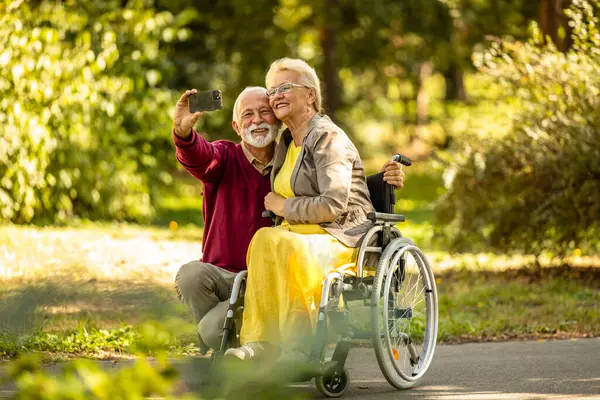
418	299
414	287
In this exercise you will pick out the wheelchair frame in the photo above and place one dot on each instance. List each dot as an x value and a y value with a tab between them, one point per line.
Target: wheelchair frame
331	377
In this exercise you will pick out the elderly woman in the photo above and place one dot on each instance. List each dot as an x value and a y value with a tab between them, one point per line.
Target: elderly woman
320	191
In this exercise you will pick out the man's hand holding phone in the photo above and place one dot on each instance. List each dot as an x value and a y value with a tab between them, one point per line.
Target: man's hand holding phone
190	107
184	120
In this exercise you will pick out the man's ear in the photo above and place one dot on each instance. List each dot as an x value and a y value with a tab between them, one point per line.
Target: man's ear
236	128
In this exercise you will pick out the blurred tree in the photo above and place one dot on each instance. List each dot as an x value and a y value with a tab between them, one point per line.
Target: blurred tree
473	21
84	111
535	189
329	45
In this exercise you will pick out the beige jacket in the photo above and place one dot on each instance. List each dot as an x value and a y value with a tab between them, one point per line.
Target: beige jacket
328	181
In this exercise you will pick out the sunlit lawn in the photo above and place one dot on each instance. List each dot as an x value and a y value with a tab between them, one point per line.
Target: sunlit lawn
86	289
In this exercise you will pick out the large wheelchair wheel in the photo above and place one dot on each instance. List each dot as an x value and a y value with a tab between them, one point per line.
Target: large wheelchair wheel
404	313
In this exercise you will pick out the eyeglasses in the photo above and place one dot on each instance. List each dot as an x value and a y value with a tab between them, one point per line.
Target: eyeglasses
284	88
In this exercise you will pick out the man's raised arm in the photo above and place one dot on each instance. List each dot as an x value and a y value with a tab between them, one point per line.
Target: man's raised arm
200	158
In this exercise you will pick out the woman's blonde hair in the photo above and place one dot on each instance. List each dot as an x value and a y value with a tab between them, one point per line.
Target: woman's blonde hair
308	76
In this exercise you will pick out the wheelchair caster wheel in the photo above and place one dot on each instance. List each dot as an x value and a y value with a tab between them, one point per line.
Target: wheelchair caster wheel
333	386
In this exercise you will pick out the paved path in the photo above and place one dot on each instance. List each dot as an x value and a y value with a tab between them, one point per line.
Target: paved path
486	371
568	369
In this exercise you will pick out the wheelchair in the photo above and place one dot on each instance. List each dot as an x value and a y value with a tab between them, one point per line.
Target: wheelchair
399	293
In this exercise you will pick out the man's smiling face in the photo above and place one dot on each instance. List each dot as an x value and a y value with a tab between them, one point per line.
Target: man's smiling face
257	124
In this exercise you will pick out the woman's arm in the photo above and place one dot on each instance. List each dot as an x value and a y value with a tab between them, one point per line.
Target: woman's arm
334	157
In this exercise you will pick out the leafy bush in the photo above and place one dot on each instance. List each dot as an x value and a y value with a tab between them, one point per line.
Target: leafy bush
537	188
84	119
93	342
147	377
86	379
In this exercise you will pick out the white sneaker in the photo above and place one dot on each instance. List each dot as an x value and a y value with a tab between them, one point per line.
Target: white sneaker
252	350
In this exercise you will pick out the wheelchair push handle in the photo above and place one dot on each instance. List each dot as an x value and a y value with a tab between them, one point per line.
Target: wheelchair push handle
389	189
402	159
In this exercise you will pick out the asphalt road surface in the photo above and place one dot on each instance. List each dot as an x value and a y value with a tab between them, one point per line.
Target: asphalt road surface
486	371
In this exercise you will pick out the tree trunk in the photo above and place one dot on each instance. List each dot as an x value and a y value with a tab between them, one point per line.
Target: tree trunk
331	92
455	85
552	18
548	20
330	71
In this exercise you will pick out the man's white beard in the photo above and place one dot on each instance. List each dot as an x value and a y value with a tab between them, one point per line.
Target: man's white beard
260	141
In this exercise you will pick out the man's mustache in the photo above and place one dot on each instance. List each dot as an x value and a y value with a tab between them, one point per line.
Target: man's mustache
254	127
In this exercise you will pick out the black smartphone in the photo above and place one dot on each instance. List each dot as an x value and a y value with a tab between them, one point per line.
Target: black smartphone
205	101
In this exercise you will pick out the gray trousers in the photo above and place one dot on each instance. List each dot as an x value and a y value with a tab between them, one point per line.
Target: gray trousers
205	289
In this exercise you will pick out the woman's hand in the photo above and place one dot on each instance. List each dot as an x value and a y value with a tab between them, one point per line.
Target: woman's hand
275	203
393	174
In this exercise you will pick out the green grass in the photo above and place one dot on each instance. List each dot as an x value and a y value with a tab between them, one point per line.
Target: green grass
521	303
86	283
187	210
182	204
85	315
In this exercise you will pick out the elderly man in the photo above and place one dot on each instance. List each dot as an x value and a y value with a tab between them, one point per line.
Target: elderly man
236	181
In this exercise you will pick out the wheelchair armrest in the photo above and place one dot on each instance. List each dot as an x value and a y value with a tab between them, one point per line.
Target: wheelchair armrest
384	217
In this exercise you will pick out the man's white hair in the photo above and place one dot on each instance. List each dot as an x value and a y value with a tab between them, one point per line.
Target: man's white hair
236	105
308	76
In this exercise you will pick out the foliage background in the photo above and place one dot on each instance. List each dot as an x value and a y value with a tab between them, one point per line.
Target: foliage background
87	91
534	188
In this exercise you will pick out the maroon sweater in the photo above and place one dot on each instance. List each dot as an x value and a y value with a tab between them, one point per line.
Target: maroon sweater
234	193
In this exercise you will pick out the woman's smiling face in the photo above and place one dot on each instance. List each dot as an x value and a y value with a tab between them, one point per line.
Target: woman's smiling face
295	101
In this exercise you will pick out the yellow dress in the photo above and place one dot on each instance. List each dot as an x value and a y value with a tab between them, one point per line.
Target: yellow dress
286	268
